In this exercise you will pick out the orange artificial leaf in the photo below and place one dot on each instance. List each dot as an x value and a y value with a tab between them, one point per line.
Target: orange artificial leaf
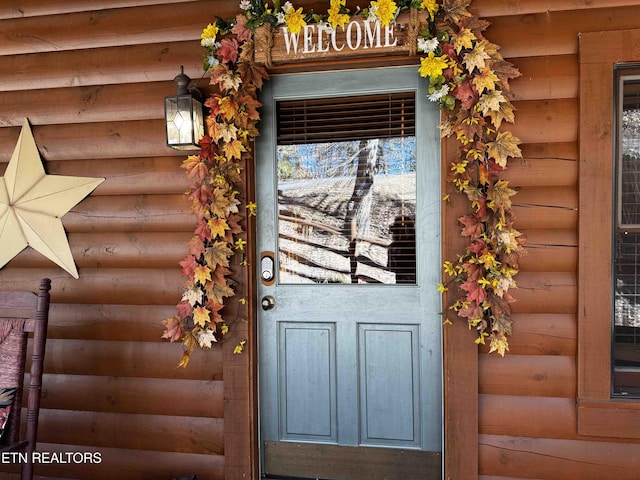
219	275
218	254
174	330
466	93
505	71
251	72
250	105
220	203
195	167
455	10
475	24
221	291
505	146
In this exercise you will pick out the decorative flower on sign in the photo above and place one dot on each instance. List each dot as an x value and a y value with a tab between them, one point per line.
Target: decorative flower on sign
467	77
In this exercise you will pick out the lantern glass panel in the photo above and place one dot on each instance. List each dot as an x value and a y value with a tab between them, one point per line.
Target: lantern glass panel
184	120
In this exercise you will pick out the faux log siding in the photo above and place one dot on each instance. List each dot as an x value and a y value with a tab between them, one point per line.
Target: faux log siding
534	386
91	77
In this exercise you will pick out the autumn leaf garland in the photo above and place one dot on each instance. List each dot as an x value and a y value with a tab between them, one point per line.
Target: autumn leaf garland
216	173
470	80
467	77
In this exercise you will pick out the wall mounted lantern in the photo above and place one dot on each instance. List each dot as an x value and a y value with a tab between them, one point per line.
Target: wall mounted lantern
184	115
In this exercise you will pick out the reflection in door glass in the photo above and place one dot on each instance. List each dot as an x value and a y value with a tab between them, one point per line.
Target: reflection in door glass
346	211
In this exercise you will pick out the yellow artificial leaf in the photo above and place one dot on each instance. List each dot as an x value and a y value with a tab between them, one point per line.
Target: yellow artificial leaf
447	321
202	274
239	245
218	227
464	39
201	316
476	58
505	146
240	347
224	329
485	80
480	339
505	112
442	288
500	194
252	207
227	107
243	301
499	344
490	102
233	149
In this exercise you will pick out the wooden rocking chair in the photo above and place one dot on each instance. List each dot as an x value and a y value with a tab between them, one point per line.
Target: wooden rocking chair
22	312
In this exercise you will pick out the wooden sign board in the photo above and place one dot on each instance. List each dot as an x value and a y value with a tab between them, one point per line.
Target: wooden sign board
358	38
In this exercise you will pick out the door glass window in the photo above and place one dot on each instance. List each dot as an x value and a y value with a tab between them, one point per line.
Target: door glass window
346	174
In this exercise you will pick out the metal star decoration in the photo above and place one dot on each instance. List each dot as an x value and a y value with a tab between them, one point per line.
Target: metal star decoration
32	203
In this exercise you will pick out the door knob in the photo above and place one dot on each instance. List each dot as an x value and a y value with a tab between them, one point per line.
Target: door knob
268	302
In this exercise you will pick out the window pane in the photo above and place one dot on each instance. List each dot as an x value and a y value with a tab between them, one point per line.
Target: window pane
346	211
626	341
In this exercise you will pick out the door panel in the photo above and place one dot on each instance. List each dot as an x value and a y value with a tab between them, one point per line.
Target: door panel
350	355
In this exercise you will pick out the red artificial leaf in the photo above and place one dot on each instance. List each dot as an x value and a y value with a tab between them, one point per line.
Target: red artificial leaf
475	292
196	247
184	309
174	330
477	246
201	193
241	32
472	226
188	265
471	312
213	102
466	93
228	51
202	230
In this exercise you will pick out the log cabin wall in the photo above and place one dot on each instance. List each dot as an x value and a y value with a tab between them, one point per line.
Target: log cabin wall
534	386
91	76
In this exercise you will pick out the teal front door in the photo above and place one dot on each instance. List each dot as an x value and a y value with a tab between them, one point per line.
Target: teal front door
348	194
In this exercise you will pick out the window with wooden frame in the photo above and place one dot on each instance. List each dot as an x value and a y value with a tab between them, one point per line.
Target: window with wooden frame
609	231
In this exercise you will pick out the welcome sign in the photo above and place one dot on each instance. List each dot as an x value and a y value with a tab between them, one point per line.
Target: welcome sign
357	38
